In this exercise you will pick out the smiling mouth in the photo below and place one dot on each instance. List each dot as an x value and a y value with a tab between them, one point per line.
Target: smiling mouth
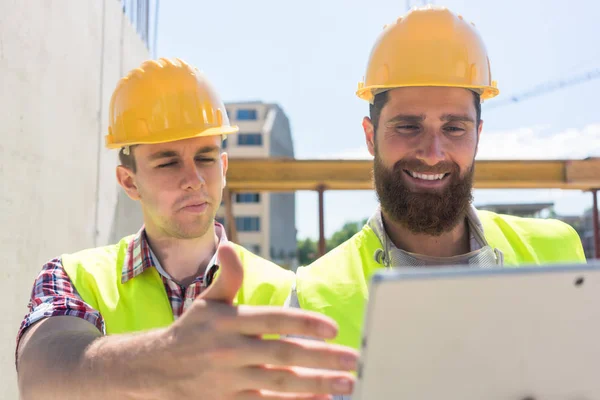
426	177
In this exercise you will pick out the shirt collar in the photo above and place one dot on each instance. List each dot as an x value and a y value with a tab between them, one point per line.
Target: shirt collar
476	235
138	257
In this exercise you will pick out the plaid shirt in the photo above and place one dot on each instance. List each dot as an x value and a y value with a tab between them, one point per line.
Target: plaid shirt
53	293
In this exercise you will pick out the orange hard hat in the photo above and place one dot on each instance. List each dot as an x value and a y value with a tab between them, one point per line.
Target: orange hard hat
164	100
429	46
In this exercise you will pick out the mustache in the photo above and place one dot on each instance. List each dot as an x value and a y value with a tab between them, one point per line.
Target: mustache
415	165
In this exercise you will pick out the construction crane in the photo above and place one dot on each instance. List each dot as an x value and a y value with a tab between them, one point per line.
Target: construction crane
546	87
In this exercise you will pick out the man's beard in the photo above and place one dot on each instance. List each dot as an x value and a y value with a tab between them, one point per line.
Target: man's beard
429	212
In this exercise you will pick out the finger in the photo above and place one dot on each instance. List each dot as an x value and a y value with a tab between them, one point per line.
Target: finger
229	280
296	352
266	320
297	380
266	395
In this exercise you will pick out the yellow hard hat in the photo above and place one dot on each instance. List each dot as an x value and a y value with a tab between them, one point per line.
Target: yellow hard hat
429	46
162	101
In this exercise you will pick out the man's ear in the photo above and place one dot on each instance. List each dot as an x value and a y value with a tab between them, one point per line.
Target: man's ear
369	129
126	179
479	130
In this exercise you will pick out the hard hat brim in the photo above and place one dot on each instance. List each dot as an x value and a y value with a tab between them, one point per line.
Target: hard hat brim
367	93
169	136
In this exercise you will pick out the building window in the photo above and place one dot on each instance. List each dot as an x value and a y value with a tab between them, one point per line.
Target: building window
247	224
247	197
246	114
249	139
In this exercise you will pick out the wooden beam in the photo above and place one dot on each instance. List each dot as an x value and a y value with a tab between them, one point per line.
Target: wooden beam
284	174
584	172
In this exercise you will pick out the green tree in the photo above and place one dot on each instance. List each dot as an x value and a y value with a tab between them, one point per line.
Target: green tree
307	251
348	230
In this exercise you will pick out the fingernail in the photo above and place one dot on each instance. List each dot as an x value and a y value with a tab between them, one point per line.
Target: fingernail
348	361
342	385
327	331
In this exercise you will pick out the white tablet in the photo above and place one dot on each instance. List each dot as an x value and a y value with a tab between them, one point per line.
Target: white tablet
461	333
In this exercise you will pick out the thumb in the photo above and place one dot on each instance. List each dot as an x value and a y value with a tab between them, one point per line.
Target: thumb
229	279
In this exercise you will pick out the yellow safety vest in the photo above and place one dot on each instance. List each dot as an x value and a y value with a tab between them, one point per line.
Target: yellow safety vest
337	284
141	303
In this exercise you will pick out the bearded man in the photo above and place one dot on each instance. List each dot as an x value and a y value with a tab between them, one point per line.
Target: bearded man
427	76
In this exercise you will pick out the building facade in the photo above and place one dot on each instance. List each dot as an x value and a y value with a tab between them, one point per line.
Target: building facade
265	221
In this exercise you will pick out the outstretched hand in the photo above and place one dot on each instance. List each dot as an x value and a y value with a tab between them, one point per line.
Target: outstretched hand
217	351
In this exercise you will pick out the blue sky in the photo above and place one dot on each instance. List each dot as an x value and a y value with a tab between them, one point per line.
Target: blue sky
309	55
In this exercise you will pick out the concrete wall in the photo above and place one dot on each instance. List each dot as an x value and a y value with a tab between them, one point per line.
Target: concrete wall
59	62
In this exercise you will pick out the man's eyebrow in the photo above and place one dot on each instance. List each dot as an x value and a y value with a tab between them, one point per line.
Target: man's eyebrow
207	149
171	153
421	118
457	117
407	118
163	154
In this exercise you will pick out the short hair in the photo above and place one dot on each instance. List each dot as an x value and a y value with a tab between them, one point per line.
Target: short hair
127	158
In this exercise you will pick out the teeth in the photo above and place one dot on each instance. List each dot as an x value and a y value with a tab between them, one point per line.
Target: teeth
426	177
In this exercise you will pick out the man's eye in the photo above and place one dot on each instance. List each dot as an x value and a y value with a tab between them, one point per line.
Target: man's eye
205	160
407	127
454	130
167	164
